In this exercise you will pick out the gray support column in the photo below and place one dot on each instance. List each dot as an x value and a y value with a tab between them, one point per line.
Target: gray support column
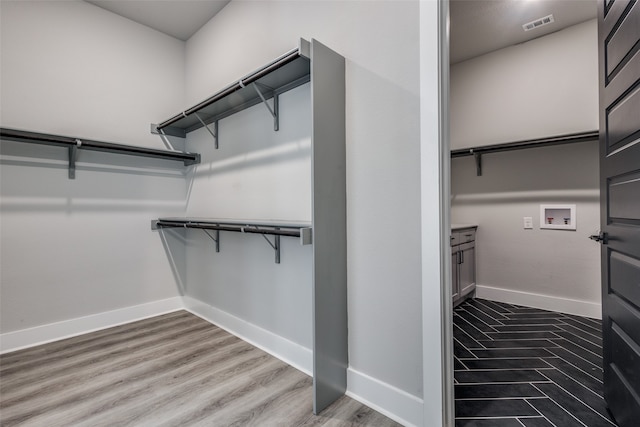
330	355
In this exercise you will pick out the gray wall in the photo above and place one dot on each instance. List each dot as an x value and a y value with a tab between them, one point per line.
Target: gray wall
546	87
553	269
73	248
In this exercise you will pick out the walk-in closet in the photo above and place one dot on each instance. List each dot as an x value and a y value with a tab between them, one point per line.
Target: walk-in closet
209	213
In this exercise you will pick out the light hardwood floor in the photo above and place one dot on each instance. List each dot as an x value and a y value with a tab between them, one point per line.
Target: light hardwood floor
170	370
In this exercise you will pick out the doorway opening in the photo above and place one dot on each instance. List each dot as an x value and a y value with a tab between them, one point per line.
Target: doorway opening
528	339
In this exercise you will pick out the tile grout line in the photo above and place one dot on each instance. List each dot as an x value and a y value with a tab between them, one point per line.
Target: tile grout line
579	400
586	332
582	323
507	382
499	314
465	347
478	319
578	368
579	338
473	326
469	336
559	406
587	350
504	398
502	369
533	407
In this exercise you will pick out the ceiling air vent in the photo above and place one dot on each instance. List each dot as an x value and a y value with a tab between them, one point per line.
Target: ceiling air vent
538	23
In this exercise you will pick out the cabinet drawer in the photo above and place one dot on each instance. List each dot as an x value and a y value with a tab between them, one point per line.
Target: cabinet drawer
466	236
455	238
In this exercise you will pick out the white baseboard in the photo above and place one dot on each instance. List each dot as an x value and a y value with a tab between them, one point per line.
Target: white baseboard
289	352
24	338
545	302
390	401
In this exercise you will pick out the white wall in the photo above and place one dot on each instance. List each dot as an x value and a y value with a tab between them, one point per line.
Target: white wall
73	248
380	43
545	87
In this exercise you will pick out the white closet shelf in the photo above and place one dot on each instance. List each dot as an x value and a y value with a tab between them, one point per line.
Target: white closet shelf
282	74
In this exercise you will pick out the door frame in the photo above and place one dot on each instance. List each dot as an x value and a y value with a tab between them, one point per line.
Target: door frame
437	313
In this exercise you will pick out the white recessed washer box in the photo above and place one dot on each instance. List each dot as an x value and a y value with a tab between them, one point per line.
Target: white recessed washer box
558	217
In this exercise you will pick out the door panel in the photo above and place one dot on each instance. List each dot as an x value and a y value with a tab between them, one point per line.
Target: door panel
619	80
625	316
626	355
624	277
624	196
620	44
623	120
621	401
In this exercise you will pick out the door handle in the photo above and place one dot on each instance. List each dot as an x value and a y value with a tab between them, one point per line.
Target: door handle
601	238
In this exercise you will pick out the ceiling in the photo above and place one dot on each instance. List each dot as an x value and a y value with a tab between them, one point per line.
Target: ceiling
482	26
477	26
178	18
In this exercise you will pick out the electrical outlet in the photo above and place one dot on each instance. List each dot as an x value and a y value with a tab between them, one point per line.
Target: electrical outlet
528	222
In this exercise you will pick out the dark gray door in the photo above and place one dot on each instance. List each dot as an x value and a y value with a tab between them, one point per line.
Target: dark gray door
619	54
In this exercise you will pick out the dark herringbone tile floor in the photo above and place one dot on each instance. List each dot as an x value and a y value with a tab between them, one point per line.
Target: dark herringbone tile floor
517	366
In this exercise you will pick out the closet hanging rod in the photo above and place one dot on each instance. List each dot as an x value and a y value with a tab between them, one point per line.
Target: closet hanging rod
477	152
91	145
244	227
273	228
529	143
222	227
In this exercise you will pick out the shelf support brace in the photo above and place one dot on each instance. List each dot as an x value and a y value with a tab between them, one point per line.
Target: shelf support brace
165	140
213	133
478	158
215	239
73	156
275	110
275	245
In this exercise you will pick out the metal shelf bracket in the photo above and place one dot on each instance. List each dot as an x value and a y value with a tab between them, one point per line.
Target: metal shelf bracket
275	245
213	132
478	158
73	156
216	239
165	140
274	111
